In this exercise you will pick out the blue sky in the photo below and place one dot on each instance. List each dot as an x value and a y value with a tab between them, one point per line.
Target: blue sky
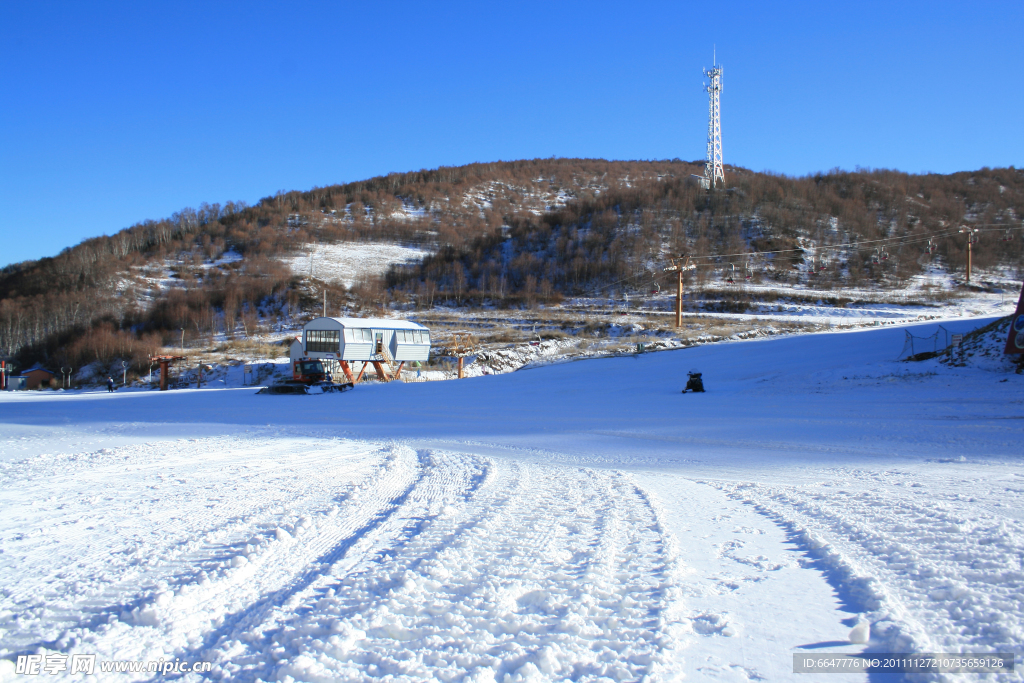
112	113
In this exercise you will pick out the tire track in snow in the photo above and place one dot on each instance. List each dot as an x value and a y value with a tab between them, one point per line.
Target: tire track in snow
382	520
199	612
109	469
436	487
435	564
106	574
536	573
929	571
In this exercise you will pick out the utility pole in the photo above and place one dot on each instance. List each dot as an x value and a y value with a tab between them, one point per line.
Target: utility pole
679	270
325	302
679	298
972	238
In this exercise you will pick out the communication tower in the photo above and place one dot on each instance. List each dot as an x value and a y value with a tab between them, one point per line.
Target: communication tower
713	169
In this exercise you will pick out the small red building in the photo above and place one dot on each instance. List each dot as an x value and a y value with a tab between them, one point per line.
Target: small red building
37	376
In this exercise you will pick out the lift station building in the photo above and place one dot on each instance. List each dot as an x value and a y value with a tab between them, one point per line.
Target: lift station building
339	342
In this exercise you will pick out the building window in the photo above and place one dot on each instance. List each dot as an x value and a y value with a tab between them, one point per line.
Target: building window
322	341
354	334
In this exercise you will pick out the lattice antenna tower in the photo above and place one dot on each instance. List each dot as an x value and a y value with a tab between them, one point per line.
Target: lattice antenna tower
714	172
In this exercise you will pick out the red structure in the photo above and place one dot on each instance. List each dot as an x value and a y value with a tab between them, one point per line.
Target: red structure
1015	340
165	363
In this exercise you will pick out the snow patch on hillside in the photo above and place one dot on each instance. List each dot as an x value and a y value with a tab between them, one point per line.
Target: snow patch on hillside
349	262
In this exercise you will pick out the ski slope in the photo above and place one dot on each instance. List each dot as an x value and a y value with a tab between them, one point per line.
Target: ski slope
582	521
349	262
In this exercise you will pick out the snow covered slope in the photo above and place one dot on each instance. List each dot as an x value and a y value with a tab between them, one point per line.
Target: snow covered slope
581	521
349	262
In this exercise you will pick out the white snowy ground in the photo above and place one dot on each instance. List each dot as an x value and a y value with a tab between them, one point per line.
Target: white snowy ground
582	521
348	262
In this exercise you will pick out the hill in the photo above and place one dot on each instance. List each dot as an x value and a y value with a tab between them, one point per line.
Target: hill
506	234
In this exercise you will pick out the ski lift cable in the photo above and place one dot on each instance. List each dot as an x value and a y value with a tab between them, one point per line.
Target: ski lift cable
855	245
861	243
995	227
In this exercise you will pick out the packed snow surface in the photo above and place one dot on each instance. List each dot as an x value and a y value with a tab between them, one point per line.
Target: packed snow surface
583	521
348	262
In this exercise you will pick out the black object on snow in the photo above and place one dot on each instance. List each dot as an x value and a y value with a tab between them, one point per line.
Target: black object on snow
694	382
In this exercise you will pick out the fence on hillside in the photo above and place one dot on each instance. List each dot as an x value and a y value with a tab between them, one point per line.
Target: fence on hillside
933	343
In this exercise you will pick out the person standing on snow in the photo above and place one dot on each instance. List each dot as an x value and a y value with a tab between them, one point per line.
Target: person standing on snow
110	384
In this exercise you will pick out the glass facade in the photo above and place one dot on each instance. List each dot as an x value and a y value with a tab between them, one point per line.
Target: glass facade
328	341
355	334
412	337
323	341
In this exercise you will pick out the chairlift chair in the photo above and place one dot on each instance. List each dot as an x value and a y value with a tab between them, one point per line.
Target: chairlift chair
1008	235
931	247
730	279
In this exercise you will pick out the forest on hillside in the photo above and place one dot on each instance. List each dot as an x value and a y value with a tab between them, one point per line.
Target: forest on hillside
502	233
877	227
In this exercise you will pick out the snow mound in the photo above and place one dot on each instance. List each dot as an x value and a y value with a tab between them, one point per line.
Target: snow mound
983	349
